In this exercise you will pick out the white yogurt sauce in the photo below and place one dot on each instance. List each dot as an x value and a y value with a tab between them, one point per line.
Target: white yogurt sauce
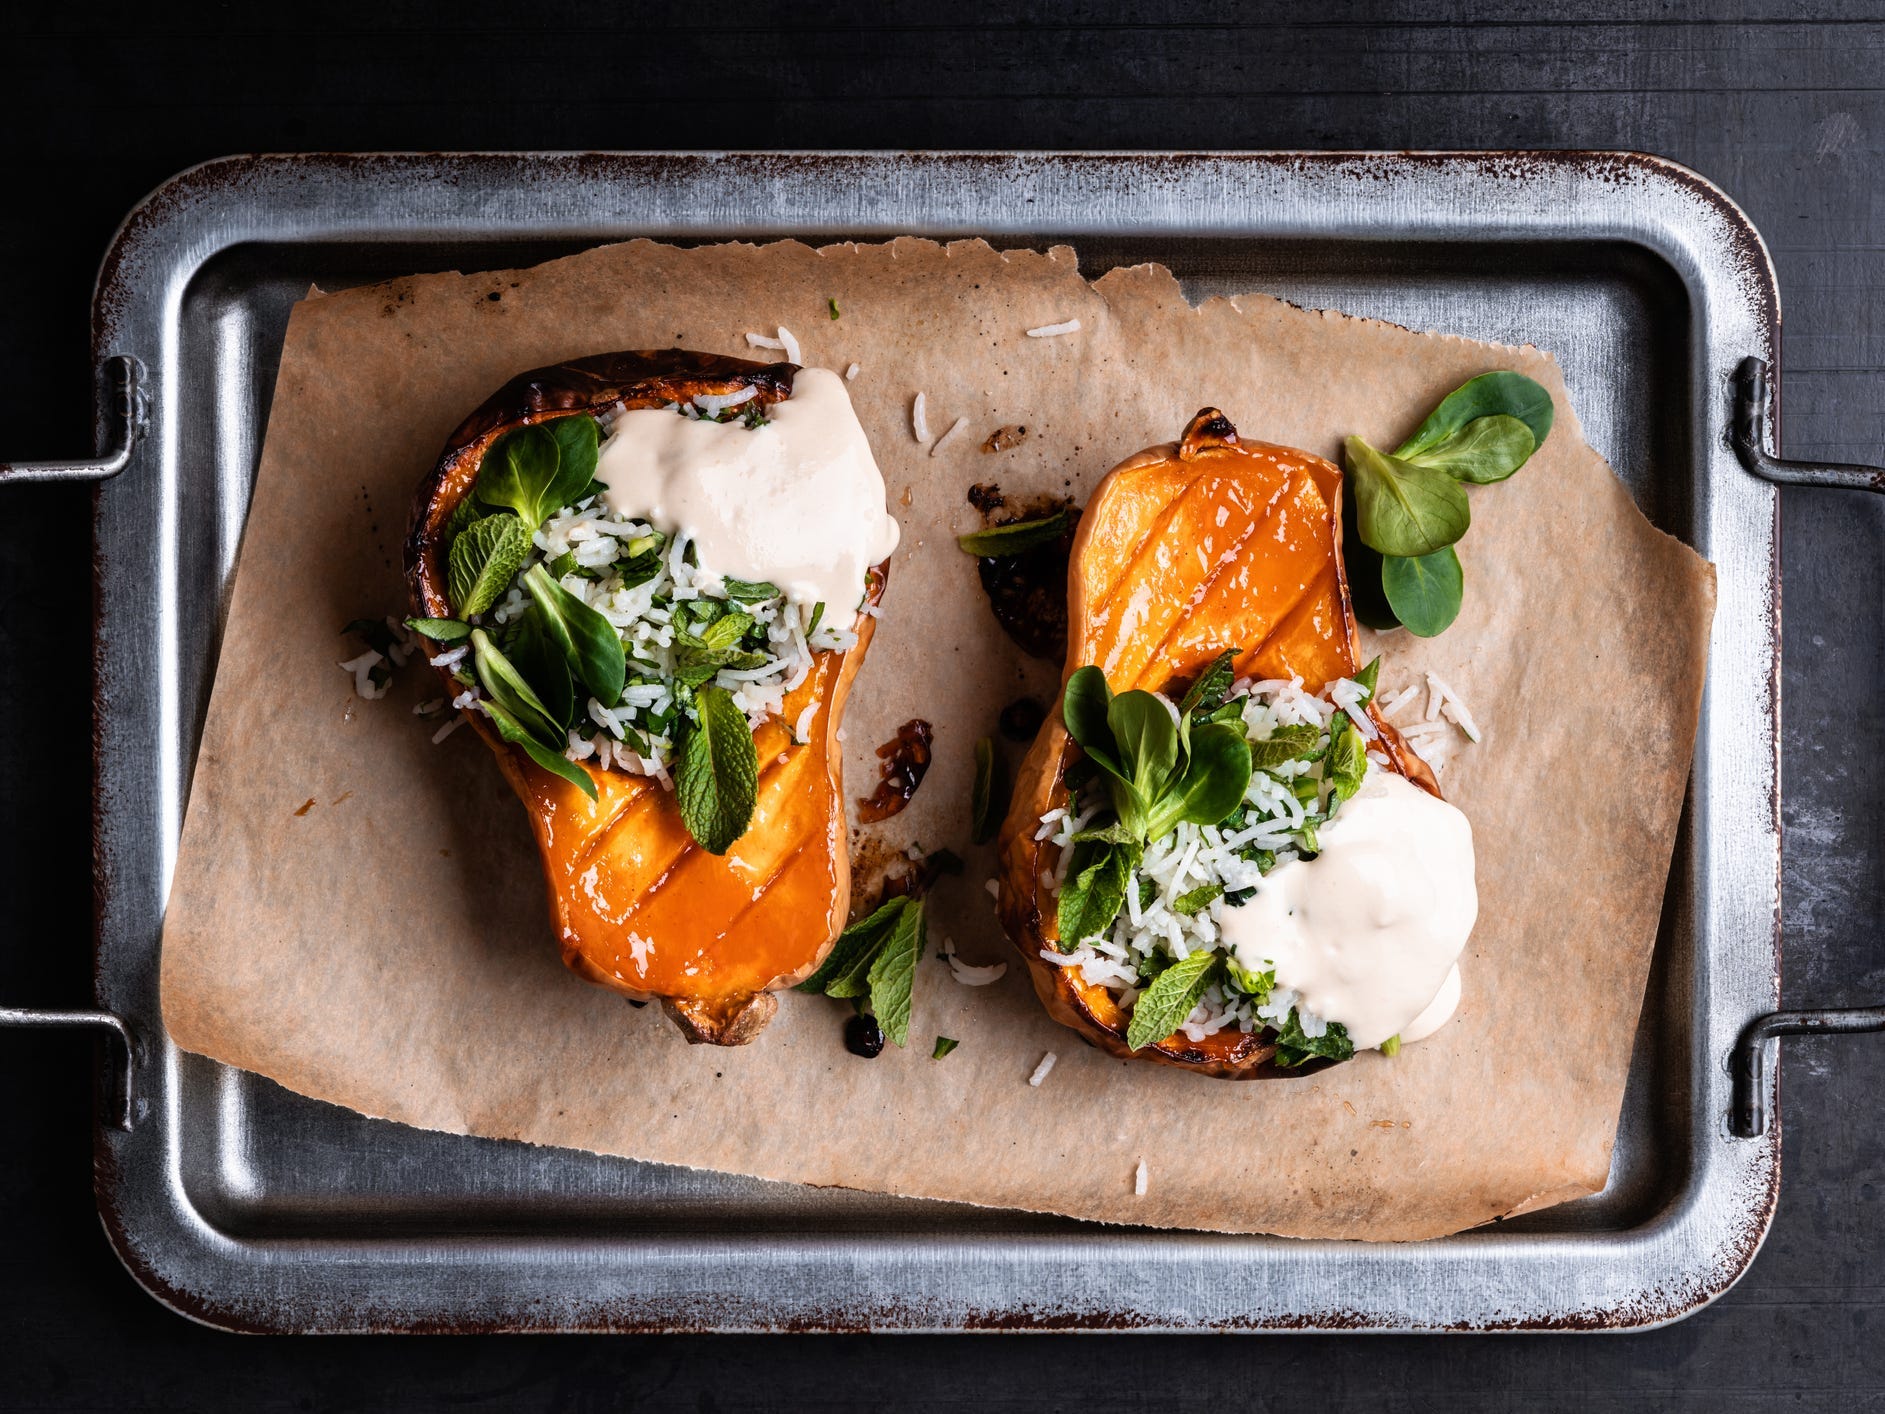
1367	933
798	501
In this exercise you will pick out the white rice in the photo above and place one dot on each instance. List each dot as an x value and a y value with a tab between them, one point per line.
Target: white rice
967	974
850	373
1193	856
713	404
1040	1071
1139	1177
1051	331
448	729
954	427
362	669
919	417
764	341
790	345
426	709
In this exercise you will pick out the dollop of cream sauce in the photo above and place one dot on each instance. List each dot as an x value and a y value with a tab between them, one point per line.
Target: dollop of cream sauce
1369	931
797	501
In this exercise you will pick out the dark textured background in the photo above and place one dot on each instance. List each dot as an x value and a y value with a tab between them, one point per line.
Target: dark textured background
1784	106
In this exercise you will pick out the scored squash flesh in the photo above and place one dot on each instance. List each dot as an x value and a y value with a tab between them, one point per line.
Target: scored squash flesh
638	905
1185	550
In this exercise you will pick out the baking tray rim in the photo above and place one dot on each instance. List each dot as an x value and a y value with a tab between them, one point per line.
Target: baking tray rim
1697	1247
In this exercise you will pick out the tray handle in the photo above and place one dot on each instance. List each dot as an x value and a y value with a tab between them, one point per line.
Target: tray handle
121	384
121	391
1748	433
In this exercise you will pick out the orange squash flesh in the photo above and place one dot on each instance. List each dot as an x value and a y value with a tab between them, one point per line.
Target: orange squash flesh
1184	551
638	905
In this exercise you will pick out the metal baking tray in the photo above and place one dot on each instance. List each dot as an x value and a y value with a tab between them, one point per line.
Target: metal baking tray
248	1207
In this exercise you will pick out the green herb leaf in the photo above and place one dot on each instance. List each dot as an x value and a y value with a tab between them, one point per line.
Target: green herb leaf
504	685
818	615
856	944
1197	900
1215	777
463	514
534	650
538	469
1001	541
1147	740
1489	395
1402	507
590	642
554	762
944	1045
1251	984
1348	759
1095	891
1369	677
1284	744
1113	833
751	591
1486	450
1363	566
1426	591
727	630
1391	1046
1213	685
1163	1006
718	779
984	810
1084	707
441	630
893	973
1294	1046
696	661
1310	843
482	561
832	305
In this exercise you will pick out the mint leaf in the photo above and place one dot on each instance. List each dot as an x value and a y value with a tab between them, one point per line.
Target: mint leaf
1000	541
719	772
1196	900
1095	891
440	630
726	630
1213	685
750	591
1369	676
1294	1045
1284	745
1348	759
946	1044
1115	833
1251	984
1163	1006
893	973
484	557
855	950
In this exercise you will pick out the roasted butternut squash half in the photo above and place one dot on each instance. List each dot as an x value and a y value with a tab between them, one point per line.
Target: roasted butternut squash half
639	902
1185	552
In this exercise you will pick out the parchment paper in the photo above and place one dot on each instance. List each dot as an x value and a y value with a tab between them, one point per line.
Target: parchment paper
387	947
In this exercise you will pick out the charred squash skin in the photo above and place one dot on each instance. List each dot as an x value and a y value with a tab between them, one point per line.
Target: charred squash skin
638	906
1185	550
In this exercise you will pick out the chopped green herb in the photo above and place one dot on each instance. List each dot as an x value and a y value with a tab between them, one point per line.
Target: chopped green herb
944	1045
440	630
832	305
1391	1046
1095	890
1348	759
1295	1046
1284	745
750	591
1212	686
1251	984
1196	900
